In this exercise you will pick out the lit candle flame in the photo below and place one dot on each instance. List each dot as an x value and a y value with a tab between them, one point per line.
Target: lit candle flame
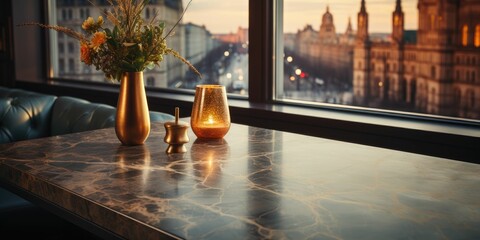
210	120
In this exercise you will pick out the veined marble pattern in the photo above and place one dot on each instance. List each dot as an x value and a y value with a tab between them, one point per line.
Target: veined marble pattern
253	184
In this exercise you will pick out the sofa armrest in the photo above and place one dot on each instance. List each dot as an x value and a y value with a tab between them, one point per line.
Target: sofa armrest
24	114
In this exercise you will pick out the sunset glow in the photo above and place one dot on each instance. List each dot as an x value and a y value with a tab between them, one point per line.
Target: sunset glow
225	16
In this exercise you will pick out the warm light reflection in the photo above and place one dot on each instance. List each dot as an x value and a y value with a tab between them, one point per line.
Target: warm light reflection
208	156
289	59
138	157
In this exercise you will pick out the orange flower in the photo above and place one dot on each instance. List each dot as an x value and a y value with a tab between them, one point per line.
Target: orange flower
87	24
100	21
85	54
98	39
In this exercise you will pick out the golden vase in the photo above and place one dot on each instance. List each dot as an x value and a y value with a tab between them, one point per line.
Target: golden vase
132	123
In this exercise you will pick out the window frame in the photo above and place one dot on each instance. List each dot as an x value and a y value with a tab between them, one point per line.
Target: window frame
444	137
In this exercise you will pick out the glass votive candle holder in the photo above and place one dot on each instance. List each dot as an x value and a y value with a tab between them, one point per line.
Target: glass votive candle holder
210	114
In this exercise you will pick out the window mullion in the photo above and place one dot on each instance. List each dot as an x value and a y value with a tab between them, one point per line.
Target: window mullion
261	49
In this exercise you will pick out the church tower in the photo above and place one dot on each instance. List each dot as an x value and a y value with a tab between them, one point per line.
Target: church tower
361	59
362	24
327	32
398	23
349	30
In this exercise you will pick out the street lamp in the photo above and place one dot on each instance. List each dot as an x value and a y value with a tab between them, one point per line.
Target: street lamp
298	72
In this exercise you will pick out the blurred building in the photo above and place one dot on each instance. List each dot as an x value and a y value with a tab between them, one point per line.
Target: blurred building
199	42
240	37
72	13
434	70
329	53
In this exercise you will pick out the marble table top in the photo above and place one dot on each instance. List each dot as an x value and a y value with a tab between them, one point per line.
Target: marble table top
253	184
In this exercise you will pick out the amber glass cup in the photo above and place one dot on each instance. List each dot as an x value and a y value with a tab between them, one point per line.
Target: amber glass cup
210	114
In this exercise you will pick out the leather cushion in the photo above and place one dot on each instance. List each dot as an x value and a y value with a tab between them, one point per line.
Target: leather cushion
77	115
160	117
10	201
24	114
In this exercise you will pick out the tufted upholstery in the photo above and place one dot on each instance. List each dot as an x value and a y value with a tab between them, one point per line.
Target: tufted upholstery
24	114
77	115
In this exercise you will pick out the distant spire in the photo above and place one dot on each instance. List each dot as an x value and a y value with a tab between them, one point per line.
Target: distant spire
362	8
398	7
328	8
349	26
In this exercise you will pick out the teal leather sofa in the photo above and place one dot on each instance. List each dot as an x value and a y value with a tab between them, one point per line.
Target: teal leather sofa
27	115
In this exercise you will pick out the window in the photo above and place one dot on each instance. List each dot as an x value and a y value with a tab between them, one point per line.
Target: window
61	65
216	45
477	35
310	71
432	22
457	96
71	65
465	35
333	61
61	48
150	81
470	99
71	47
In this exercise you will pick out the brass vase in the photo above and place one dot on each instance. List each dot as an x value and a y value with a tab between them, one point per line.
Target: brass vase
132	123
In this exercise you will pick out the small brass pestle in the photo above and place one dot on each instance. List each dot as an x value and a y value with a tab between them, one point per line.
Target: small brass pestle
176	135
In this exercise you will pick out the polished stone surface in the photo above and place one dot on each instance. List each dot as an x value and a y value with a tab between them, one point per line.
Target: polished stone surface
256	183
